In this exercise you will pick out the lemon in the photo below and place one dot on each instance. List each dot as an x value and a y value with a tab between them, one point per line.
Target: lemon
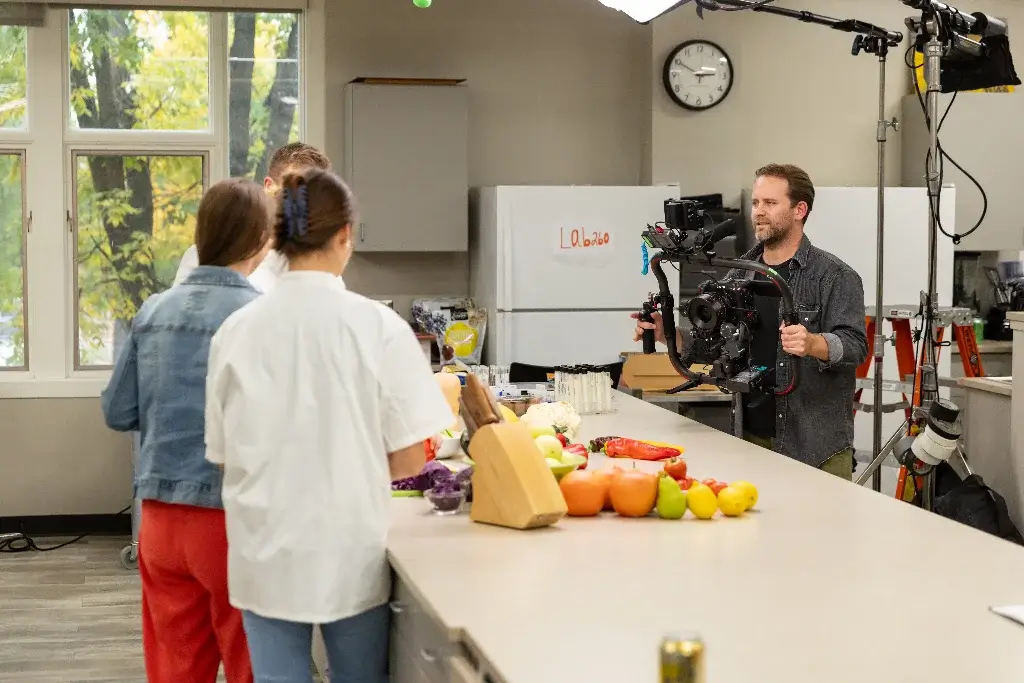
732	501
701	501
462	338
506	413
749	490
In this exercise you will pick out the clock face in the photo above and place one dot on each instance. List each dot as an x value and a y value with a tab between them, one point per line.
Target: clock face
698	75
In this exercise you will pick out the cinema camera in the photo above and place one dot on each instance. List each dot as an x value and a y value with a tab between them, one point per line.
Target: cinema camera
722	314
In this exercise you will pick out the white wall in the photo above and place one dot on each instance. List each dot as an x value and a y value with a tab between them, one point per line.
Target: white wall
558	95
799	96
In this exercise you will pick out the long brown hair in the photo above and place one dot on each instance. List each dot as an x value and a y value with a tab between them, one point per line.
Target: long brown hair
234	222
313	207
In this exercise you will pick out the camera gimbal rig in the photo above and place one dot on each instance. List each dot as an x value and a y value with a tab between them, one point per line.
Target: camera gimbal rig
722	314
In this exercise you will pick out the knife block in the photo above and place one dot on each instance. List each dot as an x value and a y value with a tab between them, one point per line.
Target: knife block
513	486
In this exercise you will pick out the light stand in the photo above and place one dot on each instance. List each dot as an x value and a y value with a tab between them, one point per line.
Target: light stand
944	40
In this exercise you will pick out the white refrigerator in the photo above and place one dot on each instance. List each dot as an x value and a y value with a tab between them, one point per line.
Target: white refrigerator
559	270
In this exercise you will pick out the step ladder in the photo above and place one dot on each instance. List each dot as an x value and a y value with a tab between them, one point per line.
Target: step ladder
909	364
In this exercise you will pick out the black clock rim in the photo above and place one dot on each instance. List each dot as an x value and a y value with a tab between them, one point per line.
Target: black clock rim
667	82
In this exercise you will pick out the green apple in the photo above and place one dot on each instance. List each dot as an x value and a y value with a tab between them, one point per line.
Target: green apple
550	446
548	430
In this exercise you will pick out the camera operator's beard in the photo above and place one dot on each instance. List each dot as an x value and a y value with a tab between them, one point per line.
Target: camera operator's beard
771	234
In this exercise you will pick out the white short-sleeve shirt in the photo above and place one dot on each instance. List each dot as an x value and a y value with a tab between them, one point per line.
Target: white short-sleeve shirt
309	388
263	278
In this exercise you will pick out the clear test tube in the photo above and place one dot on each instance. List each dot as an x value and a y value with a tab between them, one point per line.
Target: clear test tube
606	392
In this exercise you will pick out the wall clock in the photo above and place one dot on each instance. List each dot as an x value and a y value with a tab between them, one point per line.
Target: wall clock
698	75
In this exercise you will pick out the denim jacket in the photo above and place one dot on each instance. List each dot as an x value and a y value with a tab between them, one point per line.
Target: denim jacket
158	386
816	421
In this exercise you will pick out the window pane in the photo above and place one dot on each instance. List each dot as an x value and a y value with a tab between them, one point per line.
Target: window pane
263	104
139	69
13	76
12	255
135	217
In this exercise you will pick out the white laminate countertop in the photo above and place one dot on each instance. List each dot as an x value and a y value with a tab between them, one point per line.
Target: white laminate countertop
989	384
826	582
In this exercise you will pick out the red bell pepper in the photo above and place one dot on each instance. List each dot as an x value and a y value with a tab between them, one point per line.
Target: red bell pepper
638	450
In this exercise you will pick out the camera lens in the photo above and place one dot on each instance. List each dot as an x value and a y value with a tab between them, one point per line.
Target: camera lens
705	311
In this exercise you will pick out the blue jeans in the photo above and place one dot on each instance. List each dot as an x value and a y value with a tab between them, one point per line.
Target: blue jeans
357	648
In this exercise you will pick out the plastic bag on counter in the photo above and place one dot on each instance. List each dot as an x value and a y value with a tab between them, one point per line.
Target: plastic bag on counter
456	322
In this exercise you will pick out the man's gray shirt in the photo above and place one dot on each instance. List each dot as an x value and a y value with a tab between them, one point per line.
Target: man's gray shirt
815	421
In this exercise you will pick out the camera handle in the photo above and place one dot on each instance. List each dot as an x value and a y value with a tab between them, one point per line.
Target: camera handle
666	302
649	307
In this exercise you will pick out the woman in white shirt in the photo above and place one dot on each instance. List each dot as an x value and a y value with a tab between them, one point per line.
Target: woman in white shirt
317	398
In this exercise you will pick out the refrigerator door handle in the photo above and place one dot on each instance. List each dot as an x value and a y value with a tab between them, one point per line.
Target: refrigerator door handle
505	340
504	258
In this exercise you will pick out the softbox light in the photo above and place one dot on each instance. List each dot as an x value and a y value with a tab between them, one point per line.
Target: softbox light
644	11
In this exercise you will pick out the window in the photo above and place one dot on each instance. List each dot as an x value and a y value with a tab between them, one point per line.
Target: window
134	216
13	77
263	80
12	260
114	119
139	69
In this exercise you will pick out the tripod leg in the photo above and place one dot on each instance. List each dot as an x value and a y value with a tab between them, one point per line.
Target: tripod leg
959	464
876	463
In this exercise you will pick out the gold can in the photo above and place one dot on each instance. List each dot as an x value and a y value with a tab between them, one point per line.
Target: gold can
682	659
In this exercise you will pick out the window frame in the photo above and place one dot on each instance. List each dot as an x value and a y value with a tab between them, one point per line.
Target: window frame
26	221
50	243
74	153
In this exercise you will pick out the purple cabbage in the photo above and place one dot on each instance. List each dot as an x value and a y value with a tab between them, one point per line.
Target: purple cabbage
464	477
432	474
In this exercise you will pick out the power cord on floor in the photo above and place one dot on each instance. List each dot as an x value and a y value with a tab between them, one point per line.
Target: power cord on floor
23	543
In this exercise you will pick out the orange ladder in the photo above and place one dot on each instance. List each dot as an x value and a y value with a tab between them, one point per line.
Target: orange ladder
899	318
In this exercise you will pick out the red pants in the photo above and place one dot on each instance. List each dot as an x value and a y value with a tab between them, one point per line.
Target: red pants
188	625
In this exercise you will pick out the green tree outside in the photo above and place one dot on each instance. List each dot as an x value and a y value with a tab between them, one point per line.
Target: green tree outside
13	114
145	70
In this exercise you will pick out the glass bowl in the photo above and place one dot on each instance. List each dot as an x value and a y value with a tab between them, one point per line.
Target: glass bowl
446	502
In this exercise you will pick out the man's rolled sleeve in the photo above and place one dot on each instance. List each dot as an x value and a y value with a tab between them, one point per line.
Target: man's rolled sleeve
842	321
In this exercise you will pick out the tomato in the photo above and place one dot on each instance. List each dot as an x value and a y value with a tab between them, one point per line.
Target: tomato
563	439
687	483
715	485
676	468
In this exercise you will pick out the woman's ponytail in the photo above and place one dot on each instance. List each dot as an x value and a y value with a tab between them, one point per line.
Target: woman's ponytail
313	206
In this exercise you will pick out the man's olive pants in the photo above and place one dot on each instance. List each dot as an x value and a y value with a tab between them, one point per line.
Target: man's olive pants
840	464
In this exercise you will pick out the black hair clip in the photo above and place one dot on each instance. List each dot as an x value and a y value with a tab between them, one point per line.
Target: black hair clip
295	211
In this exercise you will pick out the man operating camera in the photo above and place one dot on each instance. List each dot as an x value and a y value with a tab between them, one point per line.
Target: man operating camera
814	423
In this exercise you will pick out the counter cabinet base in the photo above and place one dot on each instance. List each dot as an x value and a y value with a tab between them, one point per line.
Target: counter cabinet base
422	649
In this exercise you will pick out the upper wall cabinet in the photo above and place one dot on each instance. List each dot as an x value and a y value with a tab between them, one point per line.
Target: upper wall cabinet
406	159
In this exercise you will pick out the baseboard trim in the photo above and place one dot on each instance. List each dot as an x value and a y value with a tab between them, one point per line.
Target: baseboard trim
68	525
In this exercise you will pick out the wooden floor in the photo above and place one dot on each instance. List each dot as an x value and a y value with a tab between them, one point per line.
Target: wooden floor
70	615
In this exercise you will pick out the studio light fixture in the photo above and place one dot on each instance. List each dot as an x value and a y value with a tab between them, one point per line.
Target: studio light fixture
644	11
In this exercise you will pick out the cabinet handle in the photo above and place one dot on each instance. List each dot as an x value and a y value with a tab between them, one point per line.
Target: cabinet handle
428	655
396	607
362	232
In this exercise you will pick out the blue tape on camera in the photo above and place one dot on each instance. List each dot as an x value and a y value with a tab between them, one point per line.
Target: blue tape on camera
647	259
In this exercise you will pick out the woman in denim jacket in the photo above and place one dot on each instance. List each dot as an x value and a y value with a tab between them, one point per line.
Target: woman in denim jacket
158	387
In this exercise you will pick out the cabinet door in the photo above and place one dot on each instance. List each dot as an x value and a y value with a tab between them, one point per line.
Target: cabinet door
406	160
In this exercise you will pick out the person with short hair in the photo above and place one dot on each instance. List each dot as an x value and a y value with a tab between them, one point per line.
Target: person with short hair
813	424
317	399
293	156
158	388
